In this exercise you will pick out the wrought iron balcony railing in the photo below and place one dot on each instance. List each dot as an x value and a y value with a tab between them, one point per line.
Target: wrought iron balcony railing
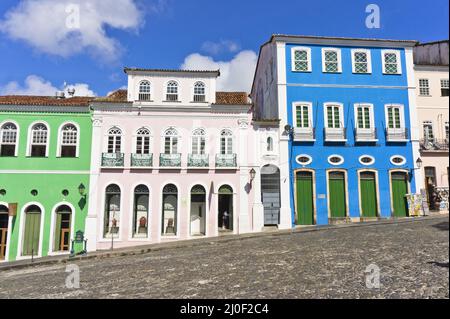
397	134
226	160
198	160
366	135
434	145
170	160
141	160
304	134
335	134
113	160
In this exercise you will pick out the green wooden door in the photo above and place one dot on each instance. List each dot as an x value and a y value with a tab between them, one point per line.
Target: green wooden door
399	190
32	232
305	200
368	191
338	208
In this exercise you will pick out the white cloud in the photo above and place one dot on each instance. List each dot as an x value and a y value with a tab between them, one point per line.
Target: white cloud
68	27
215	48
236	75
35	85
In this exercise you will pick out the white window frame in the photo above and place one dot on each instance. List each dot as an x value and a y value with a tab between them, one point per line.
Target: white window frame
204	94
306	156
371	115
399	61
122	140
367	164
60	139
201	136
308	52
337	156
402	115
30	137
431	123
135	139
427	87
398	164
339	59
369	60
227	143
139	90
444	81
446	128
167	91
163	144
310	113
341	114
17	135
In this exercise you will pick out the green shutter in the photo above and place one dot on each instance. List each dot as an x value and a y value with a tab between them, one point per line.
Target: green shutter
305	116
337	195
368	191
399	190
367	117
337	118
397	117
360	118
31	234
305	204
390	118
298	114
330	116
58	232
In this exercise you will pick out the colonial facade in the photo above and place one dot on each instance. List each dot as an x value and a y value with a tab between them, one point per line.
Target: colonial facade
44	174
350	136
172	159
432	82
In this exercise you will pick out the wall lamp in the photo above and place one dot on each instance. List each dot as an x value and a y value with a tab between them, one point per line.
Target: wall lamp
252	175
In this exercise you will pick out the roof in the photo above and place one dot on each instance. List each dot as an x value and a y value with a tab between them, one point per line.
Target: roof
232	98
406	42
222	98
44	100
211	72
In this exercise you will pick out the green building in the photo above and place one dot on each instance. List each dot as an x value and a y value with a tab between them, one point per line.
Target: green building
45	150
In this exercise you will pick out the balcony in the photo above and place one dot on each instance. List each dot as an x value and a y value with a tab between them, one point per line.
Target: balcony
397	135
434	145
304	134
335	134
113	160
170	160
364	135
198	160
141	160
226	160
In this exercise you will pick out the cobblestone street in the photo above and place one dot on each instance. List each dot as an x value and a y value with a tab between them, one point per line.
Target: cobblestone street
412	257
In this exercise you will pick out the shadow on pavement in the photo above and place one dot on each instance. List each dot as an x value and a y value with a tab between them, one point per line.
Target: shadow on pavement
442	226
443	265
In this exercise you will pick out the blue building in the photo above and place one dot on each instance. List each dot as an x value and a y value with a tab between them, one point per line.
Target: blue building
347	107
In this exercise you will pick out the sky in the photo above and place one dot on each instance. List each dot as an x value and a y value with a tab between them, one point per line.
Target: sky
87	43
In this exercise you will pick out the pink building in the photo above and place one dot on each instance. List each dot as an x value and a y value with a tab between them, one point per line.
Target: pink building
172	159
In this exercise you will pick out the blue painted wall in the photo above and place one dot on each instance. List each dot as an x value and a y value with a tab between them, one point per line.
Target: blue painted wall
351	152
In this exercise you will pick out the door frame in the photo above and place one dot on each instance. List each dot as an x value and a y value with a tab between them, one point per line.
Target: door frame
8	237
279	193
234	203
22	229
313	172
341	170
206	211
160	236
376	188
408	185
51	248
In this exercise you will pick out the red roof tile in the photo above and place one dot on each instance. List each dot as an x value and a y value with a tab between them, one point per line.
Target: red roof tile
44	100
232	98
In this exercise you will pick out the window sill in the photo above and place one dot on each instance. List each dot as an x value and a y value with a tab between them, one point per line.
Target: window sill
144	101
392	73
204	102
171	101
360	73
295	71
339	72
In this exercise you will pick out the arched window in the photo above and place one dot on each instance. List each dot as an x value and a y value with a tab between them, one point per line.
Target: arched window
143	141
225	208
226	142
112	211
8	139
69	141
145	91
62	228
199	142
39	140
170	210
114	140
141	211
199	92
269	144
32	231
172	91
171	141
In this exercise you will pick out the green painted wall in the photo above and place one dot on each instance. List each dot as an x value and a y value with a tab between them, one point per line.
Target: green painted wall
49	176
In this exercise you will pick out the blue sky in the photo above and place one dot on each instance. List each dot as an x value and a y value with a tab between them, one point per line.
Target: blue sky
164	33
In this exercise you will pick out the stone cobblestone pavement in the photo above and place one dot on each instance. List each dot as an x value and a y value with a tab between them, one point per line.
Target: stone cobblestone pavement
412	257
